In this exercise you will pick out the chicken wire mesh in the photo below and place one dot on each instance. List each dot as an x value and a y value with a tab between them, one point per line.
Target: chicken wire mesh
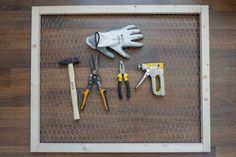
145	118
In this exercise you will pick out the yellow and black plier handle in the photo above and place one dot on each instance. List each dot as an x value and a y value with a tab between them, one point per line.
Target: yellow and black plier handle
126	79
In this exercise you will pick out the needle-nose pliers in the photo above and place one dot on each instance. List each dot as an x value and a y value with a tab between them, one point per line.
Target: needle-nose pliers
122	74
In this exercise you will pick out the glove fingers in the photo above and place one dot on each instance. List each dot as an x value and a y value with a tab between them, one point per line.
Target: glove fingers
134	31
136	37
120	51
90	41
131	27
107	53
134	44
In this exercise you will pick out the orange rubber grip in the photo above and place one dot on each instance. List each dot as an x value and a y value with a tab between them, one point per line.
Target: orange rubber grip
85	95
104	98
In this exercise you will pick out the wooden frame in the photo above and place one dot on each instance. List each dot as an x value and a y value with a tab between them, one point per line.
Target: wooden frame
204	146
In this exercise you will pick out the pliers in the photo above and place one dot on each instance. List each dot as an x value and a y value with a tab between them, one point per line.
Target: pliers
94	78
122	74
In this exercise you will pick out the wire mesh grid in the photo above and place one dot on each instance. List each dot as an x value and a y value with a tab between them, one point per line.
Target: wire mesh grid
145	118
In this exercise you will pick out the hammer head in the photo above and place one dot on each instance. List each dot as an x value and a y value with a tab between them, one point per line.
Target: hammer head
72	60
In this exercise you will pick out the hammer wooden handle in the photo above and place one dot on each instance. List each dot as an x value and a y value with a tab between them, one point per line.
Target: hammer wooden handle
73	92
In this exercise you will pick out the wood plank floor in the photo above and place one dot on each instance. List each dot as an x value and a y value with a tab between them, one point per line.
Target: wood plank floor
15	37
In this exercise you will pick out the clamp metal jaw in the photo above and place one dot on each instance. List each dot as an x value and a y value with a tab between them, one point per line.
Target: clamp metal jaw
156	72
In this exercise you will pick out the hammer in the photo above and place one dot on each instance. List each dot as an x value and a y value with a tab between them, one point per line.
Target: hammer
70	62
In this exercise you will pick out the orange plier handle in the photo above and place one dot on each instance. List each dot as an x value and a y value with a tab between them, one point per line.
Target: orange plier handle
104	98
85	95
103	93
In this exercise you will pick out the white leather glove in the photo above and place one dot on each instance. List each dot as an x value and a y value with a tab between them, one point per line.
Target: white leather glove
115	39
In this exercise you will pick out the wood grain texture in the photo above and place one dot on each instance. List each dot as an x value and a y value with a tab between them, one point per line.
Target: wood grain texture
15	29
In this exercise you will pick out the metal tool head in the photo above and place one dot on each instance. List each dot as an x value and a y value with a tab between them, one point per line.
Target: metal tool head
94	64
144	67
151	69
147	66
140	66
72	60
122	67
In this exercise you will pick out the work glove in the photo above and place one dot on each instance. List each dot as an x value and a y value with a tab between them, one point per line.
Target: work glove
116	40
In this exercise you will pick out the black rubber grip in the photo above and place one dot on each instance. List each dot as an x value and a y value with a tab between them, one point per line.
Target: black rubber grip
128	90
120	90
